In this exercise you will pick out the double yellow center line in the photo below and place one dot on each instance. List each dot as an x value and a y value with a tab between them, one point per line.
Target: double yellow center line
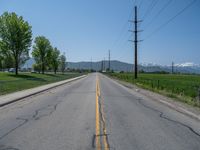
100	121
98	145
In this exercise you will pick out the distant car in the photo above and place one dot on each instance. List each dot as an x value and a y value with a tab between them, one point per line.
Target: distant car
12	70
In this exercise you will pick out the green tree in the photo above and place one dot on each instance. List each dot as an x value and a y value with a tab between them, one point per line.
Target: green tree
15	37
41	51
62	63
1	58
1	61
6	57
55	59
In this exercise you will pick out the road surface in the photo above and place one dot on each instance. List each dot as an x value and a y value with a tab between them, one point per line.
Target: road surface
95	113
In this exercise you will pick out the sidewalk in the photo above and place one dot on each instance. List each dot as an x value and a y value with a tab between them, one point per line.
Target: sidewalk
13	97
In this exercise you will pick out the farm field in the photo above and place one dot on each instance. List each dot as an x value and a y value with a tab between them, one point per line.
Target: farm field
184	88
9	82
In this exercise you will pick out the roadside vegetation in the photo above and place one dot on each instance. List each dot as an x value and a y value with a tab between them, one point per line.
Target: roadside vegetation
10	82
15	45
185	88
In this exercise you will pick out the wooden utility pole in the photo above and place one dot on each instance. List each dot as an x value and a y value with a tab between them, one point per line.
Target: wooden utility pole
135	31
91	68
109	60
102	66
136	41
136	21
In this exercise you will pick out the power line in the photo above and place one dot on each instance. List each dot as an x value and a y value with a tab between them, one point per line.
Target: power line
150	8
122	36
140	4
122	31
159	12
172	18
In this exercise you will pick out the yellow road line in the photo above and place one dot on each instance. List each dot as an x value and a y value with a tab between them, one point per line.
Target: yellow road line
98	146
103	118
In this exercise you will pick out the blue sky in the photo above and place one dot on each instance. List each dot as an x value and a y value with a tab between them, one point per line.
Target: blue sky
86	29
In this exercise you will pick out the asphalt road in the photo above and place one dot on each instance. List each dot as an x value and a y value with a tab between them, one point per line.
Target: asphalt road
95	113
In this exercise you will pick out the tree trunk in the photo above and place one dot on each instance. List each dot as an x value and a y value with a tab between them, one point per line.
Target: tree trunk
16	66
42	67
1	65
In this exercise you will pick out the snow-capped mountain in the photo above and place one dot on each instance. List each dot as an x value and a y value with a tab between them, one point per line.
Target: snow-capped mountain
145	64
187	64
186	67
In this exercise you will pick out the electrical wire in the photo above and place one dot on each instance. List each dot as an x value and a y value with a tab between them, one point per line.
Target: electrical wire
158	14
150	8
171	19
123	29
139	6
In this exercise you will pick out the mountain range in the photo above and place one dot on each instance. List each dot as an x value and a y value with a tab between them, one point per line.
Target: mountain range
187	67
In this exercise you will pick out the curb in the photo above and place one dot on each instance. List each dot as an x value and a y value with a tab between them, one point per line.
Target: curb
7	100
170	105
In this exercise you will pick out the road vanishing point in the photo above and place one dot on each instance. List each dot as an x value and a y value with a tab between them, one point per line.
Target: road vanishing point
95	113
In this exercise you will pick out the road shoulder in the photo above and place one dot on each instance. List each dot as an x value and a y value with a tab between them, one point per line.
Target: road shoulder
169	102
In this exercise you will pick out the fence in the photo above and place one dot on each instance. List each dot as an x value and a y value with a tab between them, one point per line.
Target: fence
173	87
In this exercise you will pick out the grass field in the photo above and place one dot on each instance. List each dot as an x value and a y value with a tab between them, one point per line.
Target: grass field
182	87
10	83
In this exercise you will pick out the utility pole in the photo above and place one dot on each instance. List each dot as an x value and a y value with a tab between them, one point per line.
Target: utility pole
91	65
102	66
172	67
136	69
136	21
109	60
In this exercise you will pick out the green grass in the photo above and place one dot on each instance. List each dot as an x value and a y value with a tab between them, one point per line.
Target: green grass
11	83
184	88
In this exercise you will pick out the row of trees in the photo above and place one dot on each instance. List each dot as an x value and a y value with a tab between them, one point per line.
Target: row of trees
15	44
47	57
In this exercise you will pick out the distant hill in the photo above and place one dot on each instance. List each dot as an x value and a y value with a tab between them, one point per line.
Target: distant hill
115	65
122	66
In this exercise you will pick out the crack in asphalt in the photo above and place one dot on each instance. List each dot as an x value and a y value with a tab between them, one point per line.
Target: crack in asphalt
50	109
3	147
13	129
103	121
93	141
38	114
161	115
